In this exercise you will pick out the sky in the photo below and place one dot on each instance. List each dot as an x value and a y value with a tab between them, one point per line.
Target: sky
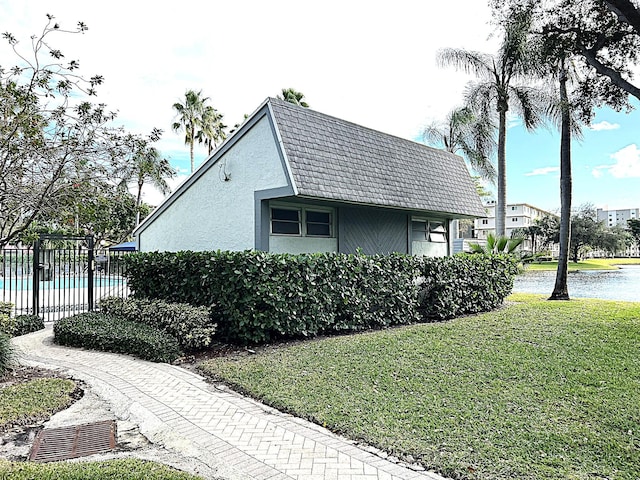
369	62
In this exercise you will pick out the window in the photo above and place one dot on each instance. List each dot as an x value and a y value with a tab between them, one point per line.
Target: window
513	209
514	219
437	232
419	230
429	231
301	222
485	222
285	221
318	223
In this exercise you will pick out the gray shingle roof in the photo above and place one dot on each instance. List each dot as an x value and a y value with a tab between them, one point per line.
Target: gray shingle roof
338	160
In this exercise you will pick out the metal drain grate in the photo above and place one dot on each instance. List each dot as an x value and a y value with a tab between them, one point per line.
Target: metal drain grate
52	445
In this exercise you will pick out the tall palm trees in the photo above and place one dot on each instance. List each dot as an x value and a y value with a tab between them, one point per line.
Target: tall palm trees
200	122
293	96
466	132
147	166
498	87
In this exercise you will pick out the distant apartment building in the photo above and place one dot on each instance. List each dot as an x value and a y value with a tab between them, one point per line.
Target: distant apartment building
618	217
611	218
519	215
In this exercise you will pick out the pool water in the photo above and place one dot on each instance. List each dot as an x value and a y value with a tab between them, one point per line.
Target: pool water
26	283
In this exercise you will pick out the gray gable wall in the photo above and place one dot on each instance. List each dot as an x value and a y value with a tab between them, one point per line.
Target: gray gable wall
337	160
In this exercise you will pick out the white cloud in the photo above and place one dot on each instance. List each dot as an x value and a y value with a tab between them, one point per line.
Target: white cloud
542	171
604	125
627	164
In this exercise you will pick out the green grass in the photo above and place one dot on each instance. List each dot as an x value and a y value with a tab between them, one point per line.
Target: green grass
592	264
34	400
536	390
114	469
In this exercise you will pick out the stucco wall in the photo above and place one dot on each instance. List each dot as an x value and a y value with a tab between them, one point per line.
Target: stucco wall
217	214
284	244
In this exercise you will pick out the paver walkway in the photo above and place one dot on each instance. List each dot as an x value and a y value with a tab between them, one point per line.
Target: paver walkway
236	436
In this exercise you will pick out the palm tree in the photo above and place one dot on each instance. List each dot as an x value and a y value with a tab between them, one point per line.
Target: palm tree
189	117
470	134
293	96
497	244
211	129
148	167
498	88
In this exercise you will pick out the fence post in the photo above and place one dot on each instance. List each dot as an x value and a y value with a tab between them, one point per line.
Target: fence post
36	277
90	270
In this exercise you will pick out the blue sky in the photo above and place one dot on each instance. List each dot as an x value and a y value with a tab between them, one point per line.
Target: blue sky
370	62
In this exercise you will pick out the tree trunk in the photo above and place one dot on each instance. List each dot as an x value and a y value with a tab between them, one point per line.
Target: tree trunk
501	205
191	153
560	290
138	202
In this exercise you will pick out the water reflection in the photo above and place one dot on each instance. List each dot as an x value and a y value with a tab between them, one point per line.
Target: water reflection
622	284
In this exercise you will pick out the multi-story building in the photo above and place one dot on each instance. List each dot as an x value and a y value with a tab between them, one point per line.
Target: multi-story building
612	218
618	217
519	215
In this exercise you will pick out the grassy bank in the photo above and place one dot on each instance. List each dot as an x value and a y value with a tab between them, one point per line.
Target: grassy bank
128	469
592	264
536	390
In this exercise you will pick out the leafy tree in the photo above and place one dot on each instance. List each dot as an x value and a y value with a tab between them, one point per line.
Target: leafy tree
293	96
634	229
468	133
51	135
502	86
615	240
605	34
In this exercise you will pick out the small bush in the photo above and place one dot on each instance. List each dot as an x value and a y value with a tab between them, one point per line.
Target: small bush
24	324
191	326
6	353
6	308
99	331
7	324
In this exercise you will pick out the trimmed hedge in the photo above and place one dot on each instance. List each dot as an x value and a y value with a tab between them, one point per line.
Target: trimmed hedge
464	284
191	326
23	324
99	331
258	296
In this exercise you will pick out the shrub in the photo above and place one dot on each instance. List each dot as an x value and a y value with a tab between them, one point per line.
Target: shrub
24	324
99	331
7	324
191	326
6	308
464	284
258	296
6	353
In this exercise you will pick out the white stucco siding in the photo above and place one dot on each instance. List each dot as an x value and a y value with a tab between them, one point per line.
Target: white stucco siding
216	214
428	249
284	244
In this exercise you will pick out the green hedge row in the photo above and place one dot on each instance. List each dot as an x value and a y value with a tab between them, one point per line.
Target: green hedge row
191	326
99	331
258	296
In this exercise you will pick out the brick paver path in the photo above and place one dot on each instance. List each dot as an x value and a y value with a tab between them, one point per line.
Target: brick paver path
238	437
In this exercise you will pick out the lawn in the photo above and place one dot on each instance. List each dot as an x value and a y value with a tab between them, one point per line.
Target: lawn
535	390
591	264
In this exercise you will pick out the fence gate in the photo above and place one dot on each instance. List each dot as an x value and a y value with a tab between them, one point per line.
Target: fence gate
62	275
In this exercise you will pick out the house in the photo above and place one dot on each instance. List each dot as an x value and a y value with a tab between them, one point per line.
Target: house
612	218
519	215
294	180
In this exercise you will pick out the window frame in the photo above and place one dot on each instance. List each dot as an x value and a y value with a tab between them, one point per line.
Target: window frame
303	230
432	229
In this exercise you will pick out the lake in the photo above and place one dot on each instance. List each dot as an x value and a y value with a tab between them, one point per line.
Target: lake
622	284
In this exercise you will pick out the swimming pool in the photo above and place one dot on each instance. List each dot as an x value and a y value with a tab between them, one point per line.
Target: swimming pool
58	283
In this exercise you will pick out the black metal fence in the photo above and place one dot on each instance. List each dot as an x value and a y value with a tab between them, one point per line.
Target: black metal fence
60	276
